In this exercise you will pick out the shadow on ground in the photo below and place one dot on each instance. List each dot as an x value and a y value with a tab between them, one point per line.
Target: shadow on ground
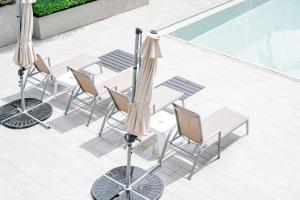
109	141
58	121
177	166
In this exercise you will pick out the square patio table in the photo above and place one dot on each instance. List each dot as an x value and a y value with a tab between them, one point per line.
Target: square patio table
161	124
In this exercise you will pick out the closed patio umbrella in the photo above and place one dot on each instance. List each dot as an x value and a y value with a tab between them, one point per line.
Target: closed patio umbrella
24	113
25	54
139	111
131	182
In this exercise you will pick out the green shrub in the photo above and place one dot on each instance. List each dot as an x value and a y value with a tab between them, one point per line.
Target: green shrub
6	2
47	7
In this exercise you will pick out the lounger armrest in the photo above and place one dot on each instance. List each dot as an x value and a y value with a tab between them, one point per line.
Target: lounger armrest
217	133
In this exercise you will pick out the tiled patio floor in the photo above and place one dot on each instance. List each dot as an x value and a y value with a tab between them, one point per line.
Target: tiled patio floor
63	162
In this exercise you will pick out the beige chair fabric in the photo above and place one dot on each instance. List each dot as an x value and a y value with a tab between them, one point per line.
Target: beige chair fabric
41	65
85	82
162	97
224	120
120	82
25	54
139	113
121	101
189	124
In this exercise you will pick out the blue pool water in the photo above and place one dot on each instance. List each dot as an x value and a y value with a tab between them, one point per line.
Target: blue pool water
262	32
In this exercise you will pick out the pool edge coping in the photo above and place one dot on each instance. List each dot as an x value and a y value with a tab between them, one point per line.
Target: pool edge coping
207	50
263	68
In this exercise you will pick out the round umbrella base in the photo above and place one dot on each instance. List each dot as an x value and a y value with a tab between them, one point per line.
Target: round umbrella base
112	185
12	117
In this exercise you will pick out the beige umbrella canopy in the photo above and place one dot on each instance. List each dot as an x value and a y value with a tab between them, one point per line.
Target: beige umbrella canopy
139	111
25	54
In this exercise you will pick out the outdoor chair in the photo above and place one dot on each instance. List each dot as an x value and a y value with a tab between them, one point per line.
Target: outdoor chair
200	133
162	97
42	66
119	104
120	82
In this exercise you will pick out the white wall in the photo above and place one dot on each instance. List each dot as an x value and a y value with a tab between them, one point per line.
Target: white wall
60	22
7	25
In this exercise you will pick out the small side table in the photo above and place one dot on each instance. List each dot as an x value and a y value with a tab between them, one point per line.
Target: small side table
161	124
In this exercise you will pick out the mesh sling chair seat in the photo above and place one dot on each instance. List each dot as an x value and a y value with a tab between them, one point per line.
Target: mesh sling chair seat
120	103
50	72
162	97
120	82
202	132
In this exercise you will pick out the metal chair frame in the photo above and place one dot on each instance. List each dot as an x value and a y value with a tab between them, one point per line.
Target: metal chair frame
78	90
34	70
96	99
113	109
31	73
200	146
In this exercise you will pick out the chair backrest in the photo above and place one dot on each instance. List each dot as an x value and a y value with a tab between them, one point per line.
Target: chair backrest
121	101
85	82
189	124
41	65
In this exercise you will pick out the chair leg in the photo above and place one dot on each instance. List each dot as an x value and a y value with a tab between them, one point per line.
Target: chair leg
27	76
72	97
194	165
45	87
92	111
100	67
55	89
110	110
165	146
219	145
247	127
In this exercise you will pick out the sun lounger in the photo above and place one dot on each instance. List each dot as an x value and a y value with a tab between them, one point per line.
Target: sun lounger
120	82
161	98
52	72
201	133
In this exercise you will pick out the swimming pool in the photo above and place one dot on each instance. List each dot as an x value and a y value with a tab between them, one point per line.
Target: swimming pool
262	32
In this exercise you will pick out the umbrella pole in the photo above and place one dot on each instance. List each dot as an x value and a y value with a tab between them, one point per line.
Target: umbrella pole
18	12
22	69
21	75
137	59
130	138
